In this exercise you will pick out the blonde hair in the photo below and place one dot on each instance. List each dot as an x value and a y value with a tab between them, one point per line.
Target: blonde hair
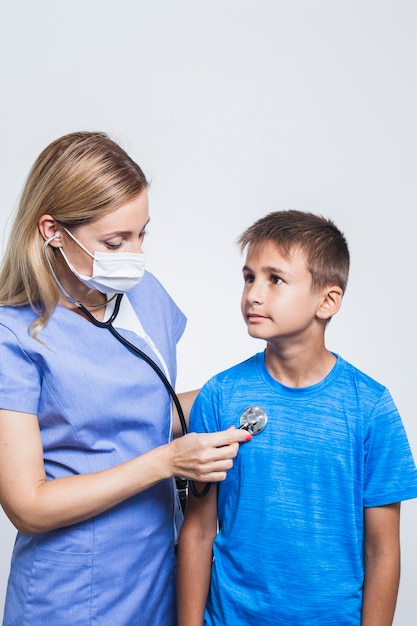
77	179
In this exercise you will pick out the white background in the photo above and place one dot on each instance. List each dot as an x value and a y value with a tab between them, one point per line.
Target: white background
235	108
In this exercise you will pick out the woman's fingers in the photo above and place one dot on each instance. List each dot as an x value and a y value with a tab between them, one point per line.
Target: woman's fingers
207	457
228	437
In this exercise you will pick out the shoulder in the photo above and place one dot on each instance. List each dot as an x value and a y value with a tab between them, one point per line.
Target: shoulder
16	320
239	369
18	354
155	307
227	379
149	282
213	408
360	383
366	398
150	291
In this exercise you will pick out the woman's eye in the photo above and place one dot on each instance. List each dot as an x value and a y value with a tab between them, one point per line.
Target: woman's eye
112	246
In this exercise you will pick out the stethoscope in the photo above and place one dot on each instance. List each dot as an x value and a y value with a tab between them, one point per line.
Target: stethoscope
253	419
181	483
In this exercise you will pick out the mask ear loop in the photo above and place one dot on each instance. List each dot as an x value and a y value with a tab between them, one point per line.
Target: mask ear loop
77	242
68	296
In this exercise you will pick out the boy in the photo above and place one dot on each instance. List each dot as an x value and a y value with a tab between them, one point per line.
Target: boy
305	528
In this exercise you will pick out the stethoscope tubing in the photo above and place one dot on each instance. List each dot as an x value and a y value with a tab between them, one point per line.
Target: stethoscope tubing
108	325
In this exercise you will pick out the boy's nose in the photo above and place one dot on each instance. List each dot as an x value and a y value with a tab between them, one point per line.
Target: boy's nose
254	294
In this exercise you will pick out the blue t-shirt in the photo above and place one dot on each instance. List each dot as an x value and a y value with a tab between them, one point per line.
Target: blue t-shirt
289	550
98	405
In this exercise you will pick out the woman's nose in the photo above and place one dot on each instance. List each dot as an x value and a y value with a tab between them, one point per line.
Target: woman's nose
137	247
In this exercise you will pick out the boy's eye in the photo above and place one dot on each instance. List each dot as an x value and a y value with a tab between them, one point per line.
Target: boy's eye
248	278
276	280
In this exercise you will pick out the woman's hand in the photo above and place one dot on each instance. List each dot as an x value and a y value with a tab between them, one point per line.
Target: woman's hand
206	457
35	504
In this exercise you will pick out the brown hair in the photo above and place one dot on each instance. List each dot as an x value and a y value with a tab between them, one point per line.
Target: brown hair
324	245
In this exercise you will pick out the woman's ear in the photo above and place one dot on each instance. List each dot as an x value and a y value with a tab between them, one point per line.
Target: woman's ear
331	302
49	228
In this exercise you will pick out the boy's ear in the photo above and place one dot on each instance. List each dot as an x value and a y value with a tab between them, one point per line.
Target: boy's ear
331	302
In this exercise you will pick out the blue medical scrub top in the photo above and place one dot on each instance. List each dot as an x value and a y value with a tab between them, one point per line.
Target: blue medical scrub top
98	405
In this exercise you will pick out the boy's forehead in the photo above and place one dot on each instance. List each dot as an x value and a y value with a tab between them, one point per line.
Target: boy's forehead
271	249
270	257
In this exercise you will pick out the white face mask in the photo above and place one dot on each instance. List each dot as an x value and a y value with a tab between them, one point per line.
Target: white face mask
113	272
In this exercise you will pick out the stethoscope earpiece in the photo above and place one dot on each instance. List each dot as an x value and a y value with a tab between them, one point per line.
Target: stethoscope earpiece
253	419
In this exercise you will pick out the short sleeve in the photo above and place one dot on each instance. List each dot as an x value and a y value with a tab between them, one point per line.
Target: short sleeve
20	381
390	471
206	409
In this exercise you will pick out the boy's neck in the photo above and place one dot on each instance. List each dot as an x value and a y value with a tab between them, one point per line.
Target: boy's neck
299	368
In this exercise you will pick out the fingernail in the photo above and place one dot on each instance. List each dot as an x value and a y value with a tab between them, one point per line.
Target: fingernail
248	437
231	427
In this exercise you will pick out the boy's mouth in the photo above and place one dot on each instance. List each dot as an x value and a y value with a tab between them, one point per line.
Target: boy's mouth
255	317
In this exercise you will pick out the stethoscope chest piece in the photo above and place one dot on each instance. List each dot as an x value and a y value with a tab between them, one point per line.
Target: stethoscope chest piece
253	419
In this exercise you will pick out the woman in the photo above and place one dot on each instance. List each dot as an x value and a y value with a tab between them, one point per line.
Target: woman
86	427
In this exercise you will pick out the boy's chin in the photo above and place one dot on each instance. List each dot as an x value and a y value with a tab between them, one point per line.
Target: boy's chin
255	334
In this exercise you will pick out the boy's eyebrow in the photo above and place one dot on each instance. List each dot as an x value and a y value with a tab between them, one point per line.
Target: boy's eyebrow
269	269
